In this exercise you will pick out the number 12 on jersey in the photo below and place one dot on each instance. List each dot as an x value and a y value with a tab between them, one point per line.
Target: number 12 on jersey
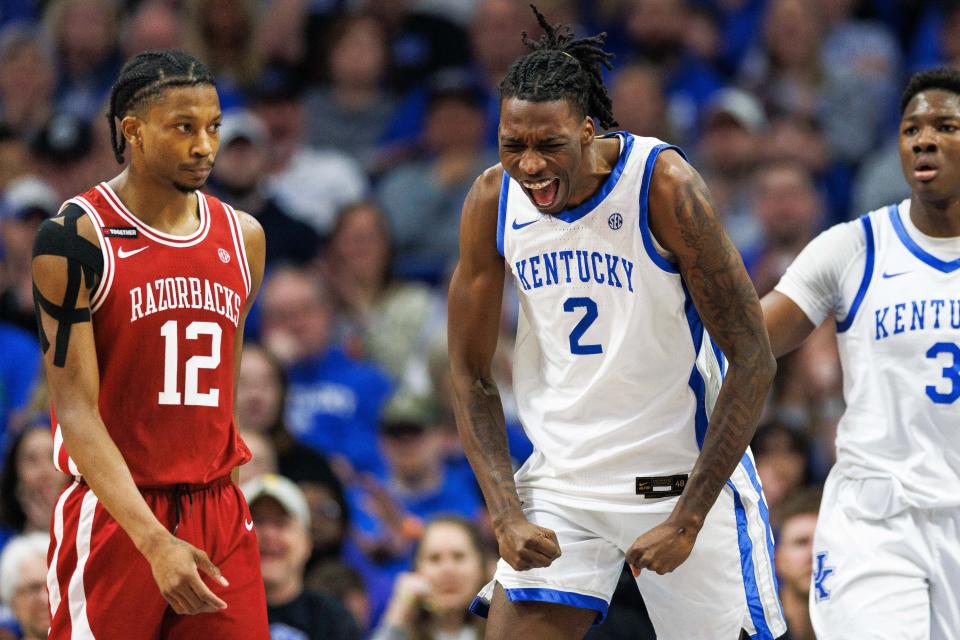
171	364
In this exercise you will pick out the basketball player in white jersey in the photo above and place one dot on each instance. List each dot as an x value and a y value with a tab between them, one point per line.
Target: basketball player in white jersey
620	265
887	545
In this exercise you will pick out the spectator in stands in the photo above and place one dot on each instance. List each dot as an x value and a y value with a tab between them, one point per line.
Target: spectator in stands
30	484
352	108
310	184
238	178
790	212
423	197
282	520
641	106
264	455
27	78
25	203
794	560
784	70
14	156
84	33
418	476
23	584
432	602
64	154
385	319
782	458
657	33
344	583
334	401
153	24
222	34
728	153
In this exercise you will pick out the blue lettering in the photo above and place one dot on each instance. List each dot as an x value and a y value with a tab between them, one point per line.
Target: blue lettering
521	267
881	319
937	304
918	315
628	266
897	318
955	314
612	278
535	272
550	265
583	266
566	256
595	258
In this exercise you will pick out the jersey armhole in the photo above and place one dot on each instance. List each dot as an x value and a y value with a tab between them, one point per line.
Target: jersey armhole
845	324
649	242
98	295
236	232
502	211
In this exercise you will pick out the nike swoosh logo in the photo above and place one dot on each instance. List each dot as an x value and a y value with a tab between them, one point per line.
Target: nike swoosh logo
121	253
248	524
893	275
524	224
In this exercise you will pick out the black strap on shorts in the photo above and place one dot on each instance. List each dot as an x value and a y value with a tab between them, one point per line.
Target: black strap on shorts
661	487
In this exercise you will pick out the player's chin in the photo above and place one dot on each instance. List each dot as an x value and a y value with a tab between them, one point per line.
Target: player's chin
189	186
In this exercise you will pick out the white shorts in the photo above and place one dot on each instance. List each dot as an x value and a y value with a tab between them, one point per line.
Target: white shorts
727	583
896	576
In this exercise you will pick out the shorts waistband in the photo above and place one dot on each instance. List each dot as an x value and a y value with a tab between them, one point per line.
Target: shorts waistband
180	488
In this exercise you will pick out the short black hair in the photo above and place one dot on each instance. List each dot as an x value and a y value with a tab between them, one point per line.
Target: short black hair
561	67
943	78
144	77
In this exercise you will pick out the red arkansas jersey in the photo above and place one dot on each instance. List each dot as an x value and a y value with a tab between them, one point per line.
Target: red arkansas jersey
164	318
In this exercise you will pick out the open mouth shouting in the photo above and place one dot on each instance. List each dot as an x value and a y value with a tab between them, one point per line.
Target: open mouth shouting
542	192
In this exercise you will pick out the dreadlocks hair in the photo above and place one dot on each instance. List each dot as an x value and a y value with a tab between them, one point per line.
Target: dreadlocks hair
560	67
143	78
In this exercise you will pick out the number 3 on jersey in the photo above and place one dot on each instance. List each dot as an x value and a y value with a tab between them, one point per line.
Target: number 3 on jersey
171	364
588	318
951	373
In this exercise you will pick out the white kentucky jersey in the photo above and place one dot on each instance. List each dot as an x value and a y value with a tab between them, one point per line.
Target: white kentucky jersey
613	373
900	351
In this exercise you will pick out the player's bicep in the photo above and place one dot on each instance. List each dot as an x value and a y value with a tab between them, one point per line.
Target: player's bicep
683	220
65	271
786	323
476	289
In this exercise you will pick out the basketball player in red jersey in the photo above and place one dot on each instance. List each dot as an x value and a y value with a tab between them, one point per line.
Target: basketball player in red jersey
142	285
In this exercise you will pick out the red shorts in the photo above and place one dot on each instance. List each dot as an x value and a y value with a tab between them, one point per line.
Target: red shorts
101	587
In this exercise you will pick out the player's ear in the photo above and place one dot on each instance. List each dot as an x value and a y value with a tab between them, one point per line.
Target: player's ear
131	129
587	131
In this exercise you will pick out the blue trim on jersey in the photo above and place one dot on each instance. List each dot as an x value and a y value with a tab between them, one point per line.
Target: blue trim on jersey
696	382
721	359
764	514
556	596
502	210
867	276
917	250
752	592
479	607
648	244
572	215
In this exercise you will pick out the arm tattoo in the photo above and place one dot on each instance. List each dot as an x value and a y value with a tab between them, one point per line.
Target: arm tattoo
728	304
485	439
84	263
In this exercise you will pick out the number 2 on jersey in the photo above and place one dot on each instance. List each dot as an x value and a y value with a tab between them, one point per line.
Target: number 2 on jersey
951	373
588	318
171	364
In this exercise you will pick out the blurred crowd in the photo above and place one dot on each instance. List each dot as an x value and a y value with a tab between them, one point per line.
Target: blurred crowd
352	131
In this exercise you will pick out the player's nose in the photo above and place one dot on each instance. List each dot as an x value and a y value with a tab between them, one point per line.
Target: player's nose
926	140
532	163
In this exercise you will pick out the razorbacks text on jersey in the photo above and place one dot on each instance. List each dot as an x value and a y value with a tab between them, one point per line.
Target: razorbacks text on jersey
165	315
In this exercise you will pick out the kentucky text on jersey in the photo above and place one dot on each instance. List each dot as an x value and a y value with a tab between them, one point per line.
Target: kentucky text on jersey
916	315
562	267
184	293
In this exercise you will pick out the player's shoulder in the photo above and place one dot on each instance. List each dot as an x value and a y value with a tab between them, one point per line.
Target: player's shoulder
486	188
73	219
